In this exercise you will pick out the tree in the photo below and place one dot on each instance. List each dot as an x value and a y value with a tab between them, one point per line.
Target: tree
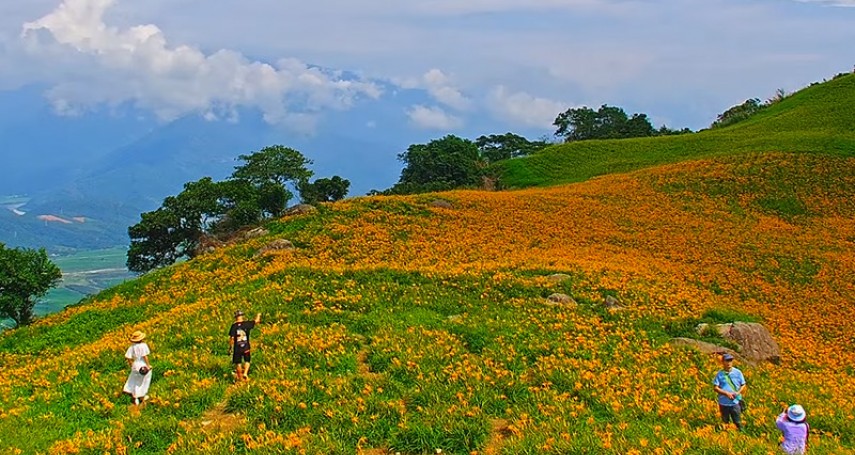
275	163
498	147
608	122
738	113
324	190
25	275
207	209
175	230
157	241
445	163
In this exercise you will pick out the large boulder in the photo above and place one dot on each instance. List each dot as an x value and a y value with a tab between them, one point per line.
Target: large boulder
754	340
257	232
558	277
613	303
560	300
441	203
275	246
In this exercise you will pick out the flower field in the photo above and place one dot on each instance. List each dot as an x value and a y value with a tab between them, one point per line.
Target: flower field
400	327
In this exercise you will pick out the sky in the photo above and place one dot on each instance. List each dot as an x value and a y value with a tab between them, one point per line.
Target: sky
517	63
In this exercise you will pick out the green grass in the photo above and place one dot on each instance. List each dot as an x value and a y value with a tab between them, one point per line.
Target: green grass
818	119
85	273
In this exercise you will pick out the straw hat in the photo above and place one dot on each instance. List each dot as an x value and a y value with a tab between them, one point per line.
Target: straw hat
137	336
796	413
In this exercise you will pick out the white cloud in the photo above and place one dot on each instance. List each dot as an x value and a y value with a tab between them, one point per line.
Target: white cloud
102	64
433	118
440	87
523	109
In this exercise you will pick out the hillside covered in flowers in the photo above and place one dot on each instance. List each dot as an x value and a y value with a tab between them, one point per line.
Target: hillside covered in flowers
404	325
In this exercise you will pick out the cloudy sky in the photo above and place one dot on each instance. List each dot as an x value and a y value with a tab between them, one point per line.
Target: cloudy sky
516	62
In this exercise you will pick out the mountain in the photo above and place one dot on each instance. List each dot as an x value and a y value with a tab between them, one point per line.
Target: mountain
110	166
397	324
42	151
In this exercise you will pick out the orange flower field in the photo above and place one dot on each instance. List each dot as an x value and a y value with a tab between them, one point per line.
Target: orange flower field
396	326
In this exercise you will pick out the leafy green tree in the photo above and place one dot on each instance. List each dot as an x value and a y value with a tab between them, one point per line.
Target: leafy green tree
449	162
158	240
665	131
205	208
607	122
498	147
25	275
324	190
739	113
275	163
175	230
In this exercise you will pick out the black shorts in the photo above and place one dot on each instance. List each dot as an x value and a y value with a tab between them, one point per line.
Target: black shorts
241	355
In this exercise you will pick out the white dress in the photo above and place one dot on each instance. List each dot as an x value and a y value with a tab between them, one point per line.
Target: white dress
137	384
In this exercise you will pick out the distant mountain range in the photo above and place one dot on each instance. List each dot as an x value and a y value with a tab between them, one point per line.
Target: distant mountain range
106	167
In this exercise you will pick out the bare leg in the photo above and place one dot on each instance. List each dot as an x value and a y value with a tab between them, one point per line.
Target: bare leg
239	371
246	370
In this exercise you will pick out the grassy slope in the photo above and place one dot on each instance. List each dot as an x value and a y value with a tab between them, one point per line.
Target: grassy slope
820	118
395	325
400	326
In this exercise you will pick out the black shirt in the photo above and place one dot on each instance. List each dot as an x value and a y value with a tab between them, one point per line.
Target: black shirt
240	333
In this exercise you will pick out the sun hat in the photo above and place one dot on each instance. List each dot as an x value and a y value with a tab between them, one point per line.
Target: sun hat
727	357
796	413
238	313
137	336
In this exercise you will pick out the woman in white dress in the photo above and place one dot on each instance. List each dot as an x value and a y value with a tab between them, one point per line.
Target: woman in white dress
140	377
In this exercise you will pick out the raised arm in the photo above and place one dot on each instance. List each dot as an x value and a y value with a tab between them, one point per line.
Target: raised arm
258	318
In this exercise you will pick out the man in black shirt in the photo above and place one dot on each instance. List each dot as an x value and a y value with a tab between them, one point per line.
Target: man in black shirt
239	341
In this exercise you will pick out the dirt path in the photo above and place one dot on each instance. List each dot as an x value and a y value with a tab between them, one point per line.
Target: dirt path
499	430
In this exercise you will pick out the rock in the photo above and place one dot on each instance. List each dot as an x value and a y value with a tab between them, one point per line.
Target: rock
441	203
613	303
301	209
207	245
561	300
704	347
753	339
558	277
276	245
756	342
257	232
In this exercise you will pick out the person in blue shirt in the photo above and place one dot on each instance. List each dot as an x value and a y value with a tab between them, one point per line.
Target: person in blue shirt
729	385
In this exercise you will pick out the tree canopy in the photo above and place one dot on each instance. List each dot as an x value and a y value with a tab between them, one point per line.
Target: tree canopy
205	208
276	163
738	113
445	163
25	275
324	190
607	122
498	147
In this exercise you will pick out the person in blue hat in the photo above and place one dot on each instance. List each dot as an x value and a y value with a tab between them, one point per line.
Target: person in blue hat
730	385
793	425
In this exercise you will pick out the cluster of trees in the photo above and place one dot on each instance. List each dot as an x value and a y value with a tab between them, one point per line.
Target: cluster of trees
455	162
746	110
257	190
25	275
607	122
